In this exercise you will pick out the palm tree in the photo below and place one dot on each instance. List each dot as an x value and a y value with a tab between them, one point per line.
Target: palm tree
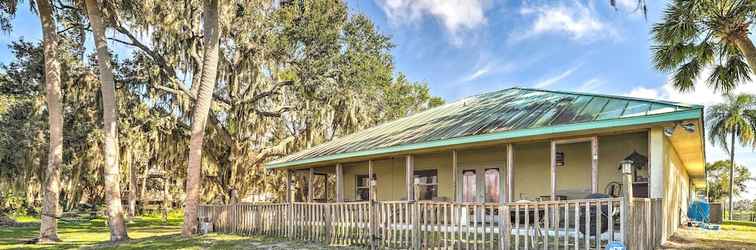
48	228
734	118
199	117
695	35
116	220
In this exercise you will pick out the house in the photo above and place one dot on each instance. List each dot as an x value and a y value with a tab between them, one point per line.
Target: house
543	150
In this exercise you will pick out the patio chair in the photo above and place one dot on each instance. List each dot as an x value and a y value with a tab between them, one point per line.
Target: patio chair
593	212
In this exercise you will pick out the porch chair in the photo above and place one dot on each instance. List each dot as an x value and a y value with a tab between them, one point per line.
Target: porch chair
593	212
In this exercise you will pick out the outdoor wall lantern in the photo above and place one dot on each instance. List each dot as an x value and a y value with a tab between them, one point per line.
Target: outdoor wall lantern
626	166
688	127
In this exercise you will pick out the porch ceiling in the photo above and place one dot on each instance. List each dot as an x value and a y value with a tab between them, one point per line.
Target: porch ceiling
689	147
501	115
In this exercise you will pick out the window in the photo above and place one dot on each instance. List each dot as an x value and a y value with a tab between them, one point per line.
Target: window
428	184
468	186
492	185
363	187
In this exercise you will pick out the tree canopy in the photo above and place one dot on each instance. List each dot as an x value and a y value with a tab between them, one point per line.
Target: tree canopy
290	76
718	179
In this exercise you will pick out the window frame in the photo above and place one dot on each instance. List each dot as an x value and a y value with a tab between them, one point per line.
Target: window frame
430	174
357	187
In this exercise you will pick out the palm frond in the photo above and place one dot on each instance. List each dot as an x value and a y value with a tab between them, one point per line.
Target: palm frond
726	77
678	24
685	76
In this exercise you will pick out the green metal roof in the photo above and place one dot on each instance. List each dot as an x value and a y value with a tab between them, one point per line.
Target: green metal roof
504	114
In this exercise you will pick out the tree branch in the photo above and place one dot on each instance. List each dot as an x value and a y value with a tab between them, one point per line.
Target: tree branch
276	113
271	92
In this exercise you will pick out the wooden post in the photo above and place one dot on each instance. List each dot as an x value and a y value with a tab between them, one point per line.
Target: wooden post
510	172
310	185
289	196
627	203
455	176
505	225
289	206
594	164
553	170
656	163
339	183
416	240
410	169
504	219
371	211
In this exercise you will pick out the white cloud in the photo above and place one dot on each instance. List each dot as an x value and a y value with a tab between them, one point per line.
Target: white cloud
629	5
478	73
456	15
643	92
552	80
590	85
487	68
702	93
579	22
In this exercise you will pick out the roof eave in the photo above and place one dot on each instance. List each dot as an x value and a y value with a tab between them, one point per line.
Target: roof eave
694	113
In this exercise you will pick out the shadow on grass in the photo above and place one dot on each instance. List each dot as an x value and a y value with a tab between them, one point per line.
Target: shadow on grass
83	232
176	241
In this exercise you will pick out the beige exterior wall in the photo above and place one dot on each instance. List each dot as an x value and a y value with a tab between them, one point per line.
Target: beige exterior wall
676	191
531	168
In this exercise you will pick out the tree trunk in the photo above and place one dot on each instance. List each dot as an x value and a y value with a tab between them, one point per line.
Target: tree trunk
732	173
166	197
745	45
143	189
132	183
110	118
48	228
199	117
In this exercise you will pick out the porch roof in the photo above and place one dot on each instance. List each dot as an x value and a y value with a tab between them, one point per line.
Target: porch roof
500	115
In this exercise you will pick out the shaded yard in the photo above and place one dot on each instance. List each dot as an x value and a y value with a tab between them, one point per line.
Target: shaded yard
146	233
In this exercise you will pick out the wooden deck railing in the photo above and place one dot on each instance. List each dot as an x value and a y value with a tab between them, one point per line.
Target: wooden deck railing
572	224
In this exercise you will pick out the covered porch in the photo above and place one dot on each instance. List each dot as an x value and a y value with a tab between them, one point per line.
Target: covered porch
562	168
537	191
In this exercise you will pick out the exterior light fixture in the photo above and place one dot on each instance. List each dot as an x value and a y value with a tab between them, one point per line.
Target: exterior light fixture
689	127
627	166
669	131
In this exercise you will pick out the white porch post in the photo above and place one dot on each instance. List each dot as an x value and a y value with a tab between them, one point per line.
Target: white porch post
594	164
371	188
410	167
339	183
553	170
510	173
310	185
455	174
656	163
289	196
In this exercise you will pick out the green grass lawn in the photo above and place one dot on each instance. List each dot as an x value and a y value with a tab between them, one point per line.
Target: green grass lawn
731	235
147	232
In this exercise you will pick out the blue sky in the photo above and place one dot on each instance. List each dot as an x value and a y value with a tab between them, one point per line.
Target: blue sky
465	47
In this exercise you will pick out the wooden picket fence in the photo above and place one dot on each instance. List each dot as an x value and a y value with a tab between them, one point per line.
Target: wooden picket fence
571	224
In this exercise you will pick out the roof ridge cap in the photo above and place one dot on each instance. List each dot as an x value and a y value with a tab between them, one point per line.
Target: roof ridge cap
629	98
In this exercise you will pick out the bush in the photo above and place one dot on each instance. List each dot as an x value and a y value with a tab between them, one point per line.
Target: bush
13	204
